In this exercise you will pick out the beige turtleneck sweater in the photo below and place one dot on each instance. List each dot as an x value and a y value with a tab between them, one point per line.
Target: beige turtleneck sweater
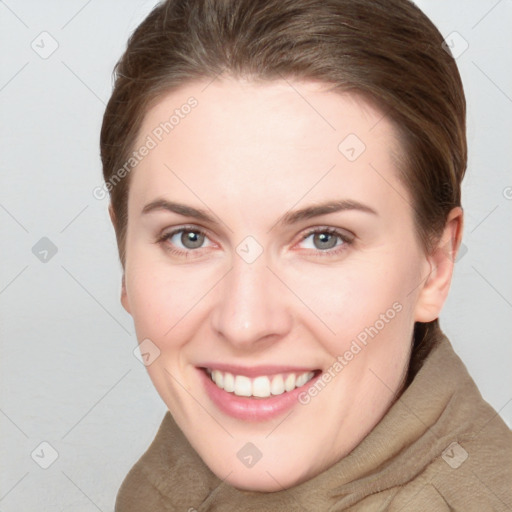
440	447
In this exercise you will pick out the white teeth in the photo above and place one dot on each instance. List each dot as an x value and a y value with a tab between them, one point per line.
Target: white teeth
218	378
277	386
262	386
242	386
301	380
229	383
289	383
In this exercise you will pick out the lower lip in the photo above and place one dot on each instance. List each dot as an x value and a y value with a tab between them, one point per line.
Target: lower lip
253	409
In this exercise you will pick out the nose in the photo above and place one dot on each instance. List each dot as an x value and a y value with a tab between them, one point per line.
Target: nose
251	309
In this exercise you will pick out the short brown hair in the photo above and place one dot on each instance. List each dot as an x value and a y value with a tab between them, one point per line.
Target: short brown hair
386	50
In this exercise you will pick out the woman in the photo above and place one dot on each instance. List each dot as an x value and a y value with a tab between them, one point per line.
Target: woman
285	189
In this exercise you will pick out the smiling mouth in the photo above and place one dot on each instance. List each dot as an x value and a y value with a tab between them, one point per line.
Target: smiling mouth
263	386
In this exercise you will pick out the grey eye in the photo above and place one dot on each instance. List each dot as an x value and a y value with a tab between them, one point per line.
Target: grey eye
188	239
325	240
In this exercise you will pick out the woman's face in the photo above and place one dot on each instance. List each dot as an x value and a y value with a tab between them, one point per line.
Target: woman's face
269	242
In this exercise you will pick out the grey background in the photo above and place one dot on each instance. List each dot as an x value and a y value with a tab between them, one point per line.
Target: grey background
68	374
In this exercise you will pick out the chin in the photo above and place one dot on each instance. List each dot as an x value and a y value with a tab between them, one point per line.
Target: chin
262	478
260	483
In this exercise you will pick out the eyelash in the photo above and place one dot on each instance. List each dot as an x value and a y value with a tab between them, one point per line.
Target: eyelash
165	237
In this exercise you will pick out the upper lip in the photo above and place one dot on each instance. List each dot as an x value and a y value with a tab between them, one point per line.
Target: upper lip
255	371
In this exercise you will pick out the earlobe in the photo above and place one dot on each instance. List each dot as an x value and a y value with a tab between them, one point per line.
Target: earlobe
112	214
124	296
436	286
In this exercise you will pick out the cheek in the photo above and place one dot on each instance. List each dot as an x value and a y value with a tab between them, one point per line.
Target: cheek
364	296
355	292
163	298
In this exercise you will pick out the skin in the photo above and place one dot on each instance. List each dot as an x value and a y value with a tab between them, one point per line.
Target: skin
248	154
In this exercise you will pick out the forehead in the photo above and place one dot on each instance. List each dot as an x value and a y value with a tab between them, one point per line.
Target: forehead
303	110
294	138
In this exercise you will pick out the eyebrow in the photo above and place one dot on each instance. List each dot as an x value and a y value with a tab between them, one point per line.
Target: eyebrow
288	218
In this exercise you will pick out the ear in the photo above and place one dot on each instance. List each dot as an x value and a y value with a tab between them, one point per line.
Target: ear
442	259
124	296
112	215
